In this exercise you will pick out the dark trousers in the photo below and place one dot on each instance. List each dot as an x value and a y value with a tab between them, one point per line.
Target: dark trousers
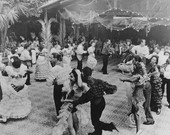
167	82
28	63
105	63
146	105
96	112
163	84
79	64
57	95
28	79
0	93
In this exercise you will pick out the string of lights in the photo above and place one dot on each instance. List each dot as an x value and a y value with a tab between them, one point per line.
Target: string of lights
151	21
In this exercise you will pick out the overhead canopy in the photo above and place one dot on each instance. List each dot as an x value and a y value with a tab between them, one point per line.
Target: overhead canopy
115	14
148	8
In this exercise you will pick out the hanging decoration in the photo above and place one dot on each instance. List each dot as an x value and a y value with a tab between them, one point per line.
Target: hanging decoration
82	18
117	14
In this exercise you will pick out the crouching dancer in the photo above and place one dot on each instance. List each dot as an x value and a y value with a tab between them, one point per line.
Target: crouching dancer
95	96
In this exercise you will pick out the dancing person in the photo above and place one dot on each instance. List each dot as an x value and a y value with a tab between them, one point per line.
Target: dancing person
95	96
127	65
106	52
43	65
156	82
13	52
57	76
15	103
79	52
142	50
20	49
67	54
91	61
137	80
55	52
26	59
77	88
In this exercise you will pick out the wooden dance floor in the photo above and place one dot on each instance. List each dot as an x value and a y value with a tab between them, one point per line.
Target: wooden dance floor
42	118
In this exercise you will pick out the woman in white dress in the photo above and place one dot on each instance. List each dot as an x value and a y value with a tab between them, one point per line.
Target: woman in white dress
43	65
67	54
15	103
91	61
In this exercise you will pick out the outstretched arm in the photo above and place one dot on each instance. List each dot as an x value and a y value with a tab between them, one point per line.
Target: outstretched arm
131	79
88	96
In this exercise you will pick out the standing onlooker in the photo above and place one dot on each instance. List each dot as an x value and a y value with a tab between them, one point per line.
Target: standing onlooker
106	51
80	51
142	50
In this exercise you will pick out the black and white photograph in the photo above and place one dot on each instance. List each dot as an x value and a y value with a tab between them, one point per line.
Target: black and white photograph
84	67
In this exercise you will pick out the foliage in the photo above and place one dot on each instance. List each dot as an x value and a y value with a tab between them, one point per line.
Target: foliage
46	30
9	13
10	10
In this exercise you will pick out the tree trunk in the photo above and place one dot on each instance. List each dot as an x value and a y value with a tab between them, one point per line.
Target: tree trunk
3	38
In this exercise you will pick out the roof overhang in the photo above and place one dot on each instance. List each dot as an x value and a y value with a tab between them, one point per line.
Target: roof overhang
57	4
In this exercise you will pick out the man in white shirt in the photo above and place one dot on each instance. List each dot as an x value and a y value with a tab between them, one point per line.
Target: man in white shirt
142	50
80	51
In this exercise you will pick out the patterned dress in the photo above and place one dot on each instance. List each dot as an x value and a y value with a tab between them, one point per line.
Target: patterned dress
43	67
156	83
15	103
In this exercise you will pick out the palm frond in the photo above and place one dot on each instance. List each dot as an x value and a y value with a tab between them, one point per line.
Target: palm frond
21	7
12	16
43	29
48	33
46	30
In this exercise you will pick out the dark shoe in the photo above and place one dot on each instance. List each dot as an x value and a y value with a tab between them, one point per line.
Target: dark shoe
105	73
148	122
158	111
28	83
113	127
